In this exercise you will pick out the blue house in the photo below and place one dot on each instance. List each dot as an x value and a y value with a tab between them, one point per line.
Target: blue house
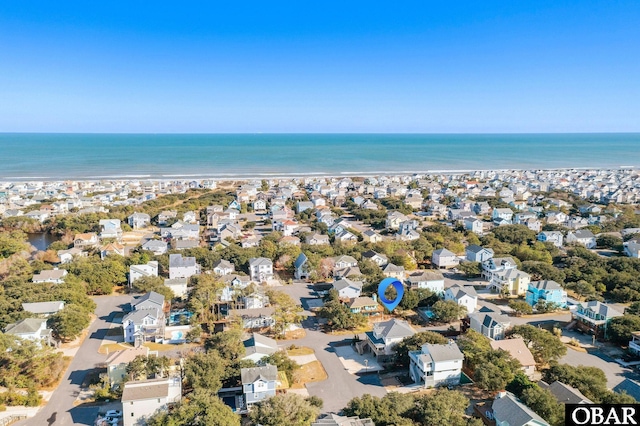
547	291
258	383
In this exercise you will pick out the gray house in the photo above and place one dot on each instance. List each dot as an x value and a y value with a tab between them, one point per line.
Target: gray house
301	266
258	384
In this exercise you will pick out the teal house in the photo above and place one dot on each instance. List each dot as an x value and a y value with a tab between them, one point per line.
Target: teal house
546	291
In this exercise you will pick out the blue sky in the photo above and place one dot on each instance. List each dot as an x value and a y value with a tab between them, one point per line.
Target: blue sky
330	66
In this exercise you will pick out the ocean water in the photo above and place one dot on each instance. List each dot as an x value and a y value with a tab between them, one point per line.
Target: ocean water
166	156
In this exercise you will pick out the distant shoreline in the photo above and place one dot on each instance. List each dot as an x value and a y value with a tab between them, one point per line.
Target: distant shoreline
230	177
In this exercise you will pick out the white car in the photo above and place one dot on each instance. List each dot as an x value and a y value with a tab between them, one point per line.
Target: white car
113	413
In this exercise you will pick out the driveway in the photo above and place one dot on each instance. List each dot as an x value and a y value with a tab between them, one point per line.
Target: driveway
60	409
595	358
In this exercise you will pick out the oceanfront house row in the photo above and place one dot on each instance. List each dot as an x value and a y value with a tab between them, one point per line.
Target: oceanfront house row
436	365
547	291
260	269
54	276
593	317
143	398
381	341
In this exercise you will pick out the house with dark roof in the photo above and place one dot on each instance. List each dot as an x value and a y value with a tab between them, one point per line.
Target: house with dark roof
593	317
436	365
490	324
507	410
475	253
301	266
564	393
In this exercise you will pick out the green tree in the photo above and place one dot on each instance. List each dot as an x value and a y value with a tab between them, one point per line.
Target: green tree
447	311
471	269
340	317
414	343
414	297
496	370
205	370
591	381
200	408
544	346
542	402
620	328
445	407
520	307
287	312
543	271
633	309
156	284
283	363
287	409
68	323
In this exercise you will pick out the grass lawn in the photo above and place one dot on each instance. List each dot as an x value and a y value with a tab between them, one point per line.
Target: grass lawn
311	372
300	351
295	334
113	347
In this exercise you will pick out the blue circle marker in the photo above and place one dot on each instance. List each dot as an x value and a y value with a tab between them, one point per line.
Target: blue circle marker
383	286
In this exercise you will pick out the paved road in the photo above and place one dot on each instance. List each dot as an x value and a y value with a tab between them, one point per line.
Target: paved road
60	410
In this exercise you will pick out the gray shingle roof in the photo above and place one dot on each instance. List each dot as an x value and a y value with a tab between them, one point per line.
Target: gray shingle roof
565	394
43	307
266	373
546	285
145	389
446	352
28	325
177	261
509	408
152	296
393	329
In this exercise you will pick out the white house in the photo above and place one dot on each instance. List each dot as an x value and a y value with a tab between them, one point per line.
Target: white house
34	329
503	214
67	256
223	267
43	308
348	289
156	247
385	336
260	269
318	240
142	398
258	347
139	271
474	225
583	237
475	253
436	365
146	321
393	271
178	286
55	276
377	258
464	296
433	280
632	249
554	237
444	259
182	267
139	220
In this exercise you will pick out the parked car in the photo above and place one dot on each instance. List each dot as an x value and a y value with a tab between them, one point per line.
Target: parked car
113	413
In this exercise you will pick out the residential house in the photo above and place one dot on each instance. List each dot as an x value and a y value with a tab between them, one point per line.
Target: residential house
139	220
371	236
157	247
436	365
304	205
632	248
55	276
507	410
634	343
583	237
190	217
385	336
336	420
546	291
146	321
182	267
497	265
346	237
139	271
394	271
301	266
34	329
348	289
143	398
110	228
112	249
511	282
594	317
365	305
43	308
464	296
257	347
564	393
260	269
490	324
433	280
344	261
258	383
86	240
223	267
66	256
394	219
518	350
179	286
318	240
253	319
259	205
165	216
554	237
444	259
475	253
118	361
377	258
502	214
474	225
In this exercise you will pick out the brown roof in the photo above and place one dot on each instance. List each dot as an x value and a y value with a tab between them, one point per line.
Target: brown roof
145	389
517	348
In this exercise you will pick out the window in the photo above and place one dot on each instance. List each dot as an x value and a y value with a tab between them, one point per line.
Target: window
132	413
158	400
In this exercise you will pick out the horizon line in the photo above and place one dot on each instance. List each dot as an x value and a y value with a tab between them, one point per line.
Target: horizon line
324	133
